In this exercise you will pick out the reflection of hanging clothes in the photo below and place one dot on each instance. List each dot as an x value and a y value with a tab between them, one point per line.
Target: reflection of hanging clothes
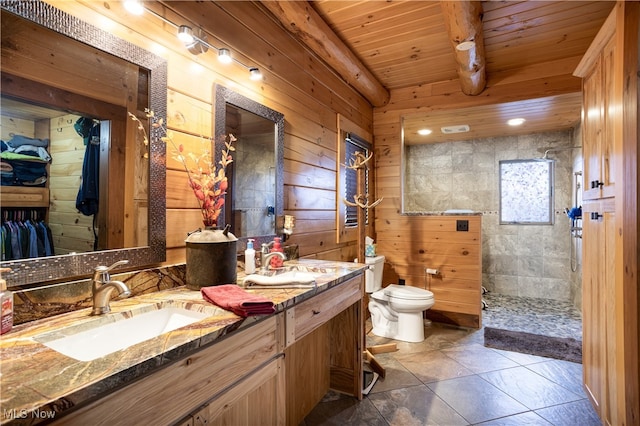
88	194
22	236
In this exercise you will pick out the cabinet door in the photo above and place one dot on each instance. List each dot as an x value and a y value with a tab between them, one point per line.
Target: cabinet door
257	400
592	129
599	307
611	114
601	110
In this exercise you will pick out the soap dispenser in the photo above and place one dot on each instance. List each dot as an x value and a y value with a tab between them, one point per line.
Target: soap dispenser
250	258
276	261
6	305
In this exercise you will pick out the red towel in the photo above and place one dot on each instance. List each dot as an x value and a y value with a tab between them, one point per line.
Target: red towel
235	299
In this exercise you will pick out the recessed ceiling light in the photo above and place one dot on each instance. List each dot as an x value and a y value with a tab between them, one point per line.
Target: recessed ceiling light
424	132
515	121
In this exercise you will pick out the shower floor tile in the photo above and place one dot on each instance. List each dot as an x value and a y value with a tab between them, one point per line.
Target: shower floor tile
532	315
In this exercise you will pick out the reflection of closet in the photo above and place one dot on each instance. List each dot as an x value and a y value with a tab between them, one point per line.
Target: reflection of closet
610	218
91	83
30	127
54	202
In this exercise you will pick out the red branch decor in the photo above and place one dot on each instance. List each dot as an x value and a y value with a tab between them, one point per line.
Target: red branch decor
208	181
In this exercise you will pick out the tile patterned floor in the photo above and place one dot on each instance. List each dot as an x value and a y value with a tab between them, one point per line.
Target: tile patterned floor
451	378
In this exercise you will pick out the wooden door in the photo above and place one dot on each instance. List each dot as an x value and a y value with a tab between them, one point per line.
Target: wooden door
610	113
593	312
592	132
599	308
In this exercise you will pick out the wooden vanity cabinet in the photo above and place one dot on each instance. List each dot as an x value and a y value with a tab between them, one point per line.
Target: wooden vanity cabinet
324	345
229	379
269	373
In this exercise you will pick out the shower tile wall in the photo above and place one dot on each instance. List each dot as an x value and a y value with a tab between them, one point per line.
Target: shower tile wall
518	260
255	170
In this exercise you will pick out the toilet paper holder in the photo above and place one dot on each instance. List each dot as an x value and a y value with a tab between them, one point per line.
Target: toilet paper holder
430	271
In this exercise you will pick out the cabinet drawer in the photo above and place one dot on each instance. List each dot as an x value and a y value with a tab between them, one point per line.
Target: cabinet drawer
308	315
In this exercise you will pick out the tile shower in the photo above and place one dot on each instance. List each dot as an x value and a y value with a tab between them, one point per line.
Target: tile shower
518	260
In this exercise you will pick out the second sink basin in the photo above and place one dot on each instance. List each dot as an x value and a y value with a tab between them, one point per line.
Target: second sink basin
95	341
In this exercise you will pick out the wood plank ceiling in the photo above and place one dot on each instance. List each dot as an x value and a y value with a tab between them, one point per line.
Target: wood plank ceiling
406	44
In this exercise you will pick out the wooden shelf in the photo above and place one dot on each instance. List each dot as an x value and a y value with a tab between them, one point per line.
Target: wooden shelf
24	196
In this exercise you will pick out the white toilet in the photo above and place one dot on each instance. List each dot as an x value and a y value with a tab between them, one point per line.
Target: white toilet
396	310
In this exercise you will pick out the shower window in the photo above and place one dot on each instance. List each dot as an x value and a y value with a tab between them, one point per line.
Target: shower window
526	192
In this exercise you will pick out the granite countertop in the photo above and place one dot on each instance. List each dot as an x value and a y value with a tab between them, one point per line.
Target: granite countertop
38	380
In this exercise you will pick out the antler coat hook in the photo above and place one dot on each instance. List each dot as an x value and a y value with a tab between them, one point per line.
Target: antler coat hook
359	161
360	202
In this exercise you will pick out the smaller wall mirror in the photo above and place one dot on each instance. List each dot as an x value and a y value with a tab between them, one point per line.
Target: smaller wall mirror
254	201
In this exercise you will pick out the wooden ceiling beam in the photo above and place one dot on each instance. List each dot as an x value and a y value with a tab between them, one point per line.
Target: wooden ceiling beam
299	18
463	20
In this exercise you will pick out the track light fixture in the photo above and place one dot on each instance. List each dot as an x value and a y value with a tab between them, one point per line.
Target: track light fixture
224	56
134	7
194	40
185	34
255	74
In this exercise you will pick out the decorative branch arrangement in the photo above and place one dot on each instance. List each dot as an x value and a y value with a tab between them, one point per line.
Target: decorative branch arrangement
359	163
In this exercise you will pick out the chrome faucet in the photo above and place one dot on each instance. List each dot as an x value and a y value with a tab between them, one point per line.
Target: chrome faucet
102	286
265	256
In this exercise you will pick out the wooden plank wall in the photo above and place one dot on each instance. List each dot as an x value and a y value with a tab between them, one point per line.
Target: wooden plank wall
412	244
296	84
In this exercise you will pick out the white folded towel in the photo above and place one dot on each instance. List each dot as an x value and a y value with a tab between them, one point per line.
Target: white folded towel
291	279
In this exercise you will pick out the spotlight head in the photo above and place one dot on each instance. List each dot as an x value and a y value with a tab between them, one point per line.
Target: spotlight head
134	7
255	74
185	34
224	56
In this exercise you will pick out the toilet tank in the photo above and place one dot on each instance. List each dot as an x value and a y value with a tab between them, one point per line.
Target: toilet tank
373	275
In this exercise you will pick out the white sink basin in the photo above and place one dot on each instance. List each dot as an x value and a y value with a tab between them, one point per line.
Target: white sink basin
103	339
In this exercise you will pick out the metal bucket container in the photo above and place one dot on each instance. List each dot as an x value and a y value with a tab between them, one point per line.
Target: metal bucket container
211	258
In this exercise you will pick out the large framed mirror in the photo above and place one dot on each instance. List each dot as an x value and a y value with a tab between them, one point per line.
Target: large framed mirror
68	87
254	201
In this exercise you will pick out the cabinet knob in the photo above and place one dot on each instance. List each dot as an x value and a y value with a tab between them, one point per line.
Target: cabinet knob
595	215
596	184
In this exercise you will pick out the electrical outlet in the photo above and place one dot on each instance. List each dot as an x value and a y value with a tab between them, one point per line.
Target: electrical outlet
462	225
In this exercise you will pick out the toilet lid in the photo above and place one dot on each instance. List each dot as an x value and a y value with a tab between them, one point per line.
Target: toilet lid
380	295
407	292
